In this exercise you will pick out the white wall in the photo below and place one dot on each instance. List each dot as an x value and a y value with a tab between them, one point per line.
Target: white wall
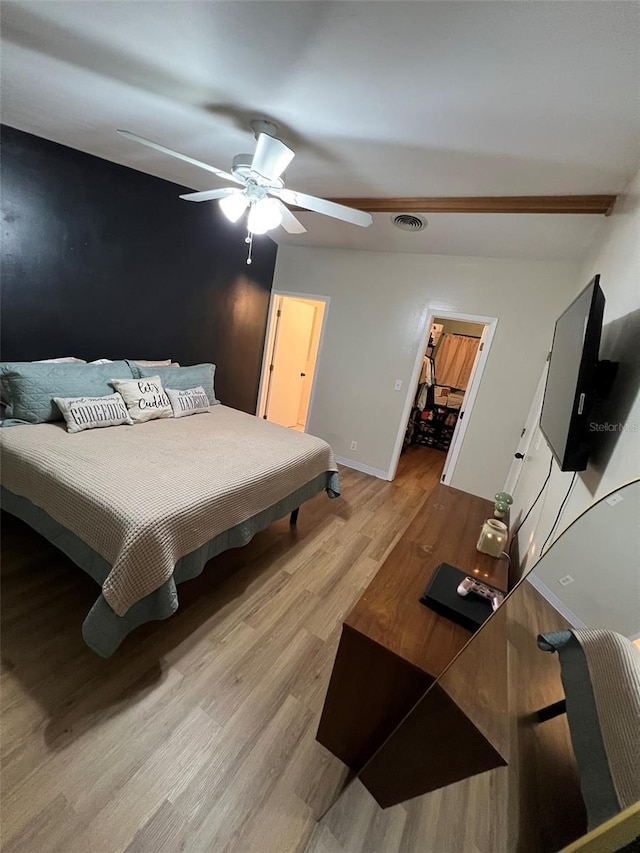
376	324
616	256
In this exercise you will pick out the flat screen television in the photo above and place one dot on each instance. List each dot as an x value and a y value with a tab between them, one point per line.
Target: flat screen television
576	377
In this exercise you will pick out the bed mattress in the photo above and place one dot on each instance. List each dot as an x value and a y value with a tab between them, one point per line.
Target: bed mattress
143	497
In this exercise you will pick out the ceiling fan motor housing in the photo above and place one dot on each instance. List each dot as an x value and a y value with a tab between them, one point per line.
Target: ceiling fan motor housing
263	125
241	169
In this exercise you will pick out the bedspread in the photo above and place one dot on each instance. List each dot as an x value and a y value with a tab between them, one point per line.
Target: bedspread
144	496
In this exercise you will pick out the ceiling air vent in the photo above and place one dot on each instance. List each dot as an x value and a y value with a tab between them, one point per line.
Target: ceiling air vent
409	222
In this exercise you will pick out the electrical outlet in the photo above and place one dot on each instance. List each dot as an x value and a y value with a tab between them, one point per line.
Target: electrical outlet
614	499
397	385
354	445
565	581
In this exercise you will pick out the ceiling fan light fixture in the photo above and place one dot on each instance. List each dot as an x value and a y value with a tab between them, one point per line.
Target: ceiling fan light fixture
262	190
234	205
264	216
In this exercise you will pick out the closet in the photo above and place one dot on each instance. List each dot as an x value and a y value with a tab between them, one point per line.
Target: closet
444	378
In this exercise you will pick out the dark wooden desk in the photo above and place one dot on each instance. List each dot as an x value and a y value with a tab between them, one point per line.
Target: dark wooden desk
392	647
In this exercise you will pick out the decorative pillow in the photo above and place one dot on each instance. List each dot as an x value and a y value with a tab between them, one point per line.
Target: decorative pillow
193	401
165	363
66	360
82	413
28	388
145	398
182	378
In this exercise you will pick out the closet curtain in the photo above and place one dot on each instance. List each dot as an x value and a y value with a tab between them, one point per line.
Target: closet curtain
454	360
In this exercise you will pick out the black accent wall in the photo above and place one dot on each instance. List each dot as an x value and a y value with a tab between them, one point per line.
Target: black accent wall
101	261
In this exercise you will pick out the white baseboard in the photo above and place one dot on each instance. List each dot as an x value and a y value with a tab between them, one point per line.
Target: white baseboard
554	601
366	469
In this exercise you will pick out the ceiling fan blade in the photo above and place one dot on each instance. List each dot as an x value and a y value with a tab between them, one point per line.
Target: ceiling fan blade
289	221
134	136
271	157
328	208
209	195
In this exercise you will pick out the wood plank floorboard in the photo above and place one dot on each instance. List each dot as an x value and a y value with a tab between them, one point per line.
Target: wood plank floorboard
199	733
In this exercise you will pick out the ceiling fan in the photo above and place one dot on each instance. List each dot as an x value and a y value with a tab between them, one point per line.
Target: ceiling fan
261	189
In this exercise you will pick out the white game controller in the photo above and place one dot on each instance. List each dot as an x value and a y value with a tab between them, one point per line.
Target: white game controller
487	592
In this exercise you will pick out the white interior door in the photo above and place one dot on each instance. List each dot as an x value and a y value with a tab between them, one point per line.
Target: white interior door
526	435
293	336
309	368
467	403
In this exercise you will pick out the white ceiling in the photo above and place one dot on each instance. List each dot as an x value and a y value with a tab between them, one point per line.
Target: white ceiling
530	237
377	99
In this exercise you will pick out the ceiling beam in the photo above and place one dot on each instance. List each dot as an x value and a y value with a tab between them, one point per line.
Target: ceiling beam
594	204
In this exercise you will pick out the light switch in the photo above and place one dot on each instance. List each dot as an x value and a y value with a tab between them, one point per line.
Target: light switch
397	385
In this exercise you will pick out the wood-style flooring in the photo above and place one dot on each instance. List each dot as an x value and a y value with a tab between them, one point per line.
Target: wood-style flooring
199	733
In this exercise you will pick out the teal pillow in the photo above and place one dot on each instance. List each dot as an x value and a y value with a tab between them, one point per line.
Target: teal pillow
28	388
181	378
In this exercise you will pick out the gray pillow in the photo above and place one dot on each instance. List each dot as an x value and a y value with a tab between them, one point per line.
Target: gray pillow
28	388
68	359
181	378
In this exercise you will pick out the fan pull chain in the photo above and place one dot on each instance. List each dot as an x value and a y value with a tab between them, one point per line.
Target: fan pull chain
249	239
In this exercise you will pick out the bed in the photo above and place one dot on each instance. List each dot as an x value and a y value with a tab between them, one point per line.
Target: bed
142	509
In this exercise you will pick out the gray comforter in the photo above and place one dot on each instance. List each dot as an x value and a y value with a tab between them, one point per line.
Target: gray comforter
143	497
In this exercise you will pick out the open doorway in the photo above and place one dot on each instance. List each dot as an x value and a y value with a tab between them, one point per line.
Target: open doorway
294	335
445	383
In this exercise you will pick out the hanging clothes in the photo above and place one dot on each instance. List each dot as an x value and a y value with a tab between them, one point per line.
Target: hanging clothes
422	397
427	374
426	385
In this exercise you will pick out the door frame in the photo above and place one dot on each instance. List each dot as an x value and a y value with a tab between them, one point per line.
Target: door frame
490	324
269	343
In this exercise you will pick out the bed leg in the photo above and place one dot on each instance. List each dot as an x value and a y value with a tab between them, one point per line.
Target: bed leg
552	711
294	516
